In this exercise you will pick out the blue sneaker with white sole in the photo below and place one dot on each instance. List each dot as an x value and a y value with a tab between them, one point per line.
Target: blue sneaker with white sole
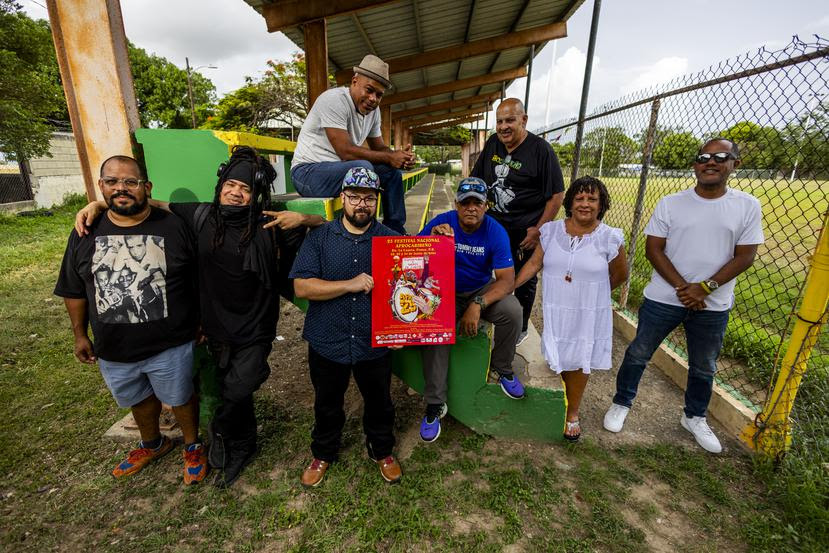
511	386
430	425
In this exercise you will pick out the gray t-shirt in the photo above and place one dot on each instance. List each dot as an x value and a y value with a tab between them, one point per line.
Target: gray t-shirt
334	109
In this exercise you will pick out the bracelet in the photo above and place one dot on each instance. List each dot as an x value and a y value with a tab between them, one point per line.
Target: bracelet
705	287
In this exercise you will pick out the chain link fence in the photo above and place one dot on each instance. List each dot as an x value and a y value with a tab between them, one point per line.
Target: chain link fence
775	106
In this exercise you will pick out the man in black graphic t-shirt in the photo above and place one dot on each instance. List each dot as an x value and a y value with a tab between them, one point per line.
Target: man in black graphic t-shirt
131	278
525	188
242	270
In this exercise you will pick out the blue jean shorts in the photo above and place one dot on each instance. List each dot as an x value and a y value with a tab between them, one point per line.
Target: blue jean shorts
168	375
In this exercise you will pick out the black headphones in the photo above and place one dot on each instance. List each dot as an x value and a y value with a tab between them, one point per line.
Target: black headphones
258	176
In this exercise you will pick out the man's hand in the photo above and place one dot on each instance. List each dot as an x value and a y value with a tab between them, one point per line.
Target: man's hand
86	216
443	230
84	351
691	295
284	219
360	283
469	321
402	159
531	240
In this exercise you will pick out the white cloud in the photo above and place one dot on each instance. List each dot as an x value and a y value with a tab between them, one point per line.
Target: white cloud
228	34
660	72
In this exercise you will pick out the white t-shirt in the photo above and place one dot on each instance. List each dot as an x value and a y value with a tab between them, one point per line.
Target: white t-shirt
334	109
701	235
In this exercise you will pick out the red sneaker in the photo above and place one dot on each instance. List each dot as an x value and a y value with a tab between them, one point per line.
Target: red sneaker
139	458
195	463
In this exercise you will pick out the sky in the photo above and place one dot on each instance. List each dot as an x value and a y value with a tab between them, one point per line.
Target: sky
639	43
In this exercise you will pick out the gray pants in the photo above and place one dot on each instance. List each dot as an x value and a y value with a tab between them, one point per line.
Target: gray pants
505	314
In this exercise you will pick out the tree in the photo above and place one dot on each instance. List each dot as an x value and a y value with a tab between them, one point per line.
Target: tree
760	147
281	96
438	153
238	110
564	153
29	94
676	151
161	92
608	147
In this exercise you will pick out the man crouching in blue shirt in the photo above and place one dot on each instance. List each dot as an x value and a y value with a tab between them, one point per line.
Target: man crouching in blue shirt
481	247
333	271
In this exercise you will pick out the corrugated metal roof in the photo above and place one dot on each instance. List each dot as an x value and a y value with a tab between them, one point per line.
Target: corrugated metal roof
391	30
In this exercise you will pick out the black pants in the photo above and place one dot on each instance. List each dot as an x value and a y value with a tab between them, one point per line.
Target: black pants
526	292
241	371
330	380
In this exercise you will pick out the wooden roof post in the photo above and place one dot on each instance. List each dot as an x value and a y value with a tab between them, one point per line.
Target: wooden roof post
385	124
465	151
97	81
316	58
398	135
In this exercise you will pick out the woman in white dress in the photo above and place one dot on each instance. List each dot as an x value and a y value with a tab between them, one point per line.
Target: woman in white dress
583	260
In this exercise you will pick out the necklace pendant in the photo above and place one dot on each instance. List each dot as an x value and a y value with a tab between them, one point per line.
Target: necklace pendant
568	277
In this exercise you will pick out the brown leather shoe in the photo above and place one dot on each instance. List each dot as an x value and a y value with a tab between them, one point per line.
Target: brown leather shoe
314	473
390	469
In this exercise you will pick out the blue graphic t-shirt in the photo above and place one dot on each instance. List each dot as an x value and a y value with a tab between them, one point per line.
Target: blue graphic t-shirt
476	254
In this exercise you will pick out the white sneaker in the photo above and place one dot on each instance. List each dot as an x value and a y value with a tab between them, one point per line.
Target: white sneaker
614	419
703	434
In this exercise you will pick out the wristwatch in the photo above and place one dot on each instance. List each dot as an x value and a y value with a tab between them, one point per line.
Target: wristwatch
480	301
709	285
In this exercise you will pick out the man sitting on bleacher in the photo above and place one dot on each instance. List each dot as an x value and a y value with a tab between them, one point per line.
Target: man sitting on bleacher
481	247
332	137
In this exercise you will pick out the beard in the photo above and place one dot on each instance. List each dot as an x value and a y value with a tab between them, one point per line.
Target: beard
126	211
360	218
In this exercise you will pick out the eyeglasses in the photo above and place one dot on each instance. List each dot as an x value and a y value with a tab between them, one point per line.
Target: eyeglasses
130	183
719	157
370	201
478	187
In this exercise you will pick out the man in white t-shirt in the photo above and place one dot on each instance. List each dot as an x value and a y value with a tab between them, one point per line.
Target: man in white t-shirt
698	241
331	142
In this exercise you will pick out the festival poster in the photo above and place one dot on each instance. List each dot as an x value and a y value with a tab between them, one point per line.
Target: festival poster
413	301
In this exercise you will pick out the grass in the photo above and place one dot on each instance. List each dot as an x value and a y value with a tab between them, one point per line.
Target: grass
465	493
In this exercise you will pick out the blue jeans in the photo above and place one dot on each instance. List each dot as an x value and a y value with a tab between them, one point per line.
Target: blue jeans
704	332
325	179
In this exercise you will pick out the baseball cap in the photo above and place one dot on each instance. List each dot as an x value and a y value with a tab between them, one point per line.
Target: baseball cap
471	187
360	177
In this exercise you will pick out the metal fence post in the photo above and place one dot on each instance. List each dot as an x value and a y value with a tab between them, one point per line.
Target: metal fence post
647	151
585	89
771	432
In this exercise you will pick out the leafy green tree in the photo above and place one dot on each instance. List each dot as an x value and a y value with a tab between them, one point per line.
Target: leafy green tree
608	146
564	153
676	151
438	153
280	96
29	93
760	147
239	110
806	144
161	92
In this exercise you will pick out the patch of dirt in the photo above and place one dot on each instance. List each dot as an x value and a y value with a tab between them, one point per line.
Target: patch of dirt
471	523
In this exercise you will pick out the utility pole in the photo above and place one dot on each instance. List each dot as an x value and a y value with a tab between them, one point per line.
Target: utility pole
190	87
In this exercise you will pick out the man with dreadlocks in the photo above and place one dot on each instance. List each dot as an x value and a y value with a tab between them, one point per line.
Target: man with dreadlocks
239	288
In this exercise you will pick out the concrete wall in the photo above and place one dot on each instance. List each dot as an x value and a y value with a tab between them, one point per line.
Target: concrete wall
54	177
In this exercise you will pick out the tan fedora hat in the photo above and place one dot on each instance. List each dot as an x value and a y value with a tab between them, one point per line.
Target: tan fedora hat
374	68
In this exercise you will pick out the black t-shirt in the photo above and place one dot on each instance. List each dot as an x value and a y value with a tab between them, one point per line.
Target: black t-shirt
138	282
236	307
520	182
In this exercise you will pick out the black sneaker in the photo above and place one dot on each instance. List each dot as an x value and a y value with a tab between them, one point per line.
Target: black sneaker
237	460
216	455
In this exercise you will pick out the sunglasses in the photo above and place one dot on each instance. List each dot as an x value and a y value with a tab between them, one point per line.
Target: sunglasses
719	157
472	187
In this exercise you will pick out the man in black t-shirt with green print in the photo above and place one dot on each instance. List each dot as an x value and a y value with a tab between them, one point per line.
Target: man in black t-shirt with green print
525	189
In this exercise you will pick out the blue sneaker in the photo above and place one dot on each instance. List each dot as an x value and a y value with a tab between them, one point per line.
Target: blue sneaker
511	386
430	425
